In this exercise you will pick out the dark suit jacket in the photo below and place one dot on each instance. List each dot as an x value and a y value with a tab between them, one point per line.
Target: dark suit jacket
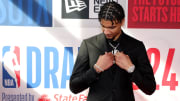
102	87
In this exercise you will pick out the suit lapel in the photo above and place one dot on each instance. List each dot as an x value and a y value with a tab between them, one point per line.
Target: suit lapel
123	42
101	43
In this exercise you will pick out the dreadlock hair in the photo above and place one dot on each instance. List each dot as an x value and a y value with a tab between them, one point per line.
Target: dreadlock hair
111	11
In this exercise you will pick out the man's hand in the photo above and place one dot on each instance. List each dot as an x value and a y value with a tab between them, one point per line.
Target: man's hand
105	61
123	61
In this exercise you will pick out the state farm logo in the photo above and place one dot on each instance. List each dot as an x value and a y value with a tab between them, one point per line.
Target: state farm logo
74	5
44	98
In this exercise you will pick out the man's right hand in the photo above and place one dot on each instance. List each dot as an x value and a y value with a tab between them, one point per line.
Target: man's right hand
105	61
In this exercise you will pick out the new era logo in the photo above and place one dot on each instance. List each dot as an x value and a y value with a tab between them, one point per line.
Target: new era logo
74	5
76	9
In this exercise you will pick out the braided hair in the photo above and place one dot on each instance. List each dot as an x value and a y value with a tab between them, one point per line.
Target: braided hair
111	11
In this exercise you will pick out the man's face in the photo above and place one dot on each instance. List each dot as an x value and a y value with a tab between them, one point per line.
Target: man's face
110	30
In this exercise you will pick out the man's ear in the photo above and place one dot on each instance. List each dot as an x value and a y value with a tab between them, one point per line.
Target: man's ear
122	22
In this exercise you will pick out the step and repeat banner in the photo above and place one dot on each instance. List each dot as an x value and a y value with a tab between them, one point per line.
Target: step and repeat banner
39	42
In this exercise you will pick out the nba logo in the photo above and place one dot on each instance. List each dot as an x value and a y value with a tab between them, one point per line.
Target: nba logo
11	66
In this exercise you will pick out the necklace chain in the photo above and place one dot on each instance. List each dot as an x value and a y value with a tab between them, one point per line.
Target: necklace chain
114	47
114	51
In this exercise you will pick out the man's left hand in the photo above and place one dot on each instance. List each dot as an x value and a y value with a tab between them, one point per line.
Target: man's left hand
123	60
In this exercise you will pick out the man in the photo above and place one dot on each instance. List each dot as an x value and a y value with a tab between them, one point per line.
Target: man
108	63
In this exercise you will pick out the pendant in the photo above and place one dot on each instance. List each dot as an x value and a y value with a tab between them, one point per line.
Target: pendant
115	51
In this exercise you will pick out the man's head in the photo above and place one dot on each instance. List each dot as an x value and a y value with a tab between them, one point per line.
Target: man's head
111	17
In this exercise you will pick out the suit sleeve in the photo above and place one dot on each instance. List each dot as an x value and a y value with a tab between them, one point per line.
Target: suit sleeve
83	75
143	75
